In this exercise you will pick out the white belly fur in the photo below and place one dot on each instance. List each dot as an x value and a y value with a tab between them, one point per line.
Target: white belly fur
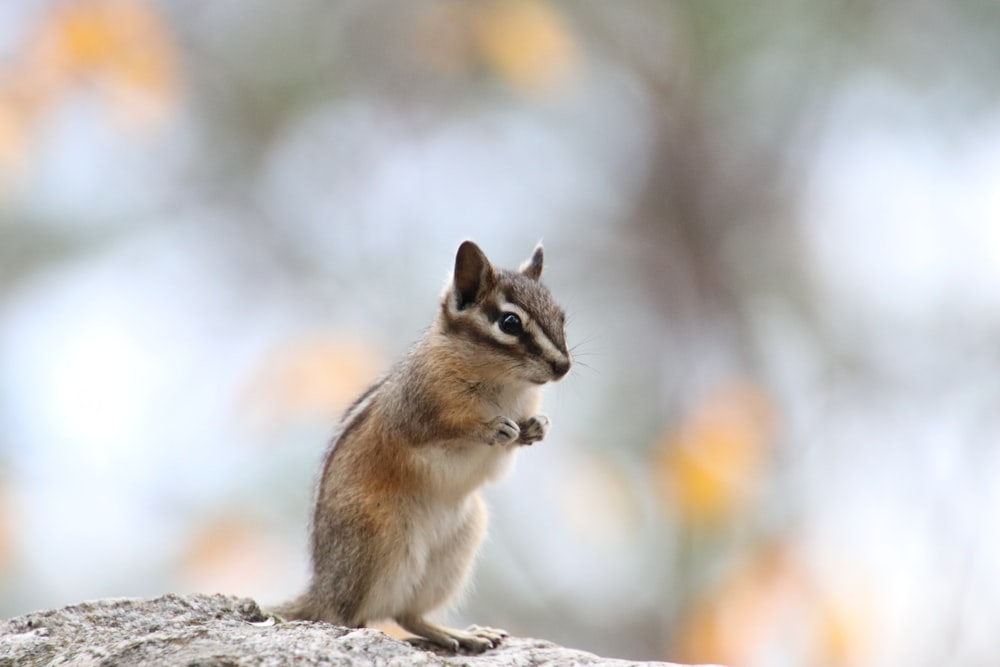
432	562
442	533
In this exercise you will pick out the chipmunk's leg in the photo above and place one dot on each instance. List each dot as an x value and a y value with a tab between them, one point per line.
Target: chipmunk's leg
475	639
533	429
447	570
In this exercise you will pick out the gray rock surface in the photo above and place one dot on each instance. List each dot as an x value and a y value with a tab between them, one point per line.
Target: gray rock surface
232	632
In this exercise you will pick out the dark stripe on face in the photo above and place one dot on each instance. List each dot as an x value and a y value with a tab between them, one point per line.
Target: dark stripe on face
530	345
555	317
469	331
492	311
556	336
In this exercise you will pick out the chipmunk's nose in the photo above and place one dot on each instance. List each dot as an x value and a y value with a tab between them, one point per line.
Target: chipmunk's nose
560	368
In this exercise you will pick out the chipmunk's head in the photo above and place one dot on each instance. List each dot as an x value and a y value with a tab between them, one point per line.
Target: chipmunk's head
508	318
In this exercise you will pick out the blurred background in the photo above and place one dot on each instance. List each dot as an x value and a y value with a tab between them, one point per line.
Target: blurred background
775	227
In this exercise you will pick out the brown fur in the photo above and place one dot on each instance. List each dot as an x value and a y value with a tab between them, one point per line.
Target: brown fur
397	519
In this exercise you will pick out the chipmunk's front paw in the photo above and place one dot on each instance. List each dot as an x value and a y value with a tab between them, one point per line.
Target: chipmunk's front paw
533	429
502	431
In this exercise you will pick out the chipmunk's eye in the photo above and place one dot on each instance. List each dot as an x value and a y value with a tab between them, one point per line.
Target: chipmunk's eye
510	324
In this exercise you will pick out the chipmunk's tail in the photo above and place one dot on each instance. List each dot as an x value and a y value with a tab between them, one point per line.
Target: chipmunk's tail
297	609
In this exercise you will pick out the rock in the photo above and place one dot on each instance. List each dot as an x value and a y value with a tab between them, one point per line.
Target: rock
233	632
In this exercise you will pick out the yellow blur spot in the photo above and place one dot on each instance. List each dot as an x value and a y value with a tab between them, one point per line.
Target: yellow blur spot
712	465
230	553
528	44
13	129
772	605
312	375
119	50
121	46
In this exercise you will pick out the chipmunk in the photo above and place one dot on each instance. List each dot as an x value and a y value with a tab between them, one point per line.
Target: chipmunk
398	519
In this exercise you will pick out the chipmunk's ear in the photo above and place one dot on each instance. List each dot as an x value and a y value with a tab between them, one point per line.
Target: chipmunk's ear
473	274
533	267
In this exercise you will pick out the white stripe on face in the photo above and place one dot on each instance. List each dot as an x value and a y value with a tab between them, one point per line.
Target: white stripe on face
549	349
551	352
